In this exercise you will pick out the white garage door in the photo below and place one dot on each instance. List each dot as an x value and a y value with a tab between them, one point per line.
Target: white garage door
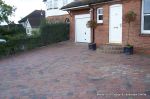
82	33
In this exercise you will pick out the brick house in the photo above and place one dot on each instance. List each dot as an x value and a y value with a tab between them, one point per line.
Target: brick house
109	15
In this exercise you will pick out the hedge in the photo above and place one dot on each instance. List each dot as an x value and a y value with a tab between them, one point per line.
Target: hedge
18	45
54	32
12	29
50	33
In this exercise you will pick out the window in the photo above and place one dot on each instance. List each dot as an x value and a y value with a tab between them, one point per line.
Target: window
52	4
55	4
64	2
67	20
100	15
145	17
28	31
49	5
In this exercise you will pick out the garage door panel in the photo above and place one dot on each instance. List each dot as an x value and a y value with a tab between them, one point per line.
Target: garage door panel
79	31
83	33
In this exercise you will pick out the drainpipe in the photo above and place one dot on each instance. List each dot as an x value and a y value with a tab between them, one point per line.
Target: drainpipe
69	13
92	18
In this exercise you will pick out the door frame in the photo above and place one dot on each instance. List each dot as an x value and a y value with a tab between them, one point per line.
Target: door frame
115	5
78	17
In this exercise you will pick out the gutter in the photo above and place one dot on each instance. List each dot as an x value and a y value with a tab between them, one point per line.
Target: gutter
75	7
105	2
88	5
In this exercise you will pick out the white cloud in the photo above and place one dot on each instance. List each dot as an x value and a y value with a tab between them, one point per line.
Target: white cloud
24	7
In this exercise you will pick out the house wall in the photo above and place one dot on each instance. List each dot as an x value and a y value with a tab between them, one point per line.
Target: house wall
59	18
28	28
140	42
102	30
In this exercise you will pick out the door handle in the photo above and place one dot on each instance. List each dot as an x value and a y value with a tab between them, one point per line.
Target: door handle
85	33
116	27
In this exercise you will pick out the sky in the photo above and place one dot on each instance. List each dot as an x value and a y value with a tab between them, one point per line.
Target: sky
24	7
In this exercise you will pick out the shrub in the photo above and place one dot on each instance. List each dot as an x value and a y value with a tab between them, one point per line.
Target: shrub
35	33
54	32
50	33
91	24
12	29
129	17
17	45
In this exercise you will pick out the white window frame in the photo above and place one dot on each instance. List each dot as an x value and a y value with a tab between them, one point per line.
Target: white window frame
142	23
29	31
102	14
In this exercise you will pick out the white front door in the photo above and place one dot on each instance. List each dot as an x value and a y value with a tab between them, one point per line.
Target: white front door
115	24
82	33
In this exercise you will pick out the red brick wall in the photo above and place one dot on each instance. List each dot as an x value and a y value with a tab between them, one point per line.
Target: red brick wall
141	42
102	30
59	18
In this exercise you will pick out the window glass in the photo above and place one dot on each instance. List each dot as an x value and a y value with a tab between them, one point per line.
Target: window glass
147	22
27	30
100	15
67	20
49	4
55	4
100	11
146	17
147	6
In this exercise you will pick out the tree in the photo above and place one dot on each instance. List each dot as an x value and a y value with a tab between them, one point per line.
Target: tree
5	11
129	17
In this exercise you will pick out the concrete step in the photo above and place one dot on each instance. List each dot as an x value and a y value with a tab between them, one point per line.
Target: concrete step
110	48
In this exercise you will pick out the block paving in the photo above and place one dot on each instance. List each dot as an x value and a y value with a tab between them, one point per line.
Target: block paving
69	70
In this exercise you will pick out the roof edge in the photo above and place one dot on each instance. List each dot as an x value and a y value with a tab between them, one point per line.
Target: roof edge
94	2
66	9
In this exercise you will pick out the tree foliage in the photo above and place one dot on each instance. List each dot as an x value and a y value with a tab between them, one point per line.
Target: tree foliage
129	17
5	11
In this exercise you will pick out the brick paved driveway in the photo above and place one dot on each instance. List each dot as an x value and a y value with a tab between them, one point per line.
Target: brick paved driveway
70	71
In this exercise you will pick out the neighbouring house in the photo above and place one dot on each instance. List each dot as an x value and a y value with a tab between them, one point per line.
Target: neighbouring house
32	21
53	11
111	27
